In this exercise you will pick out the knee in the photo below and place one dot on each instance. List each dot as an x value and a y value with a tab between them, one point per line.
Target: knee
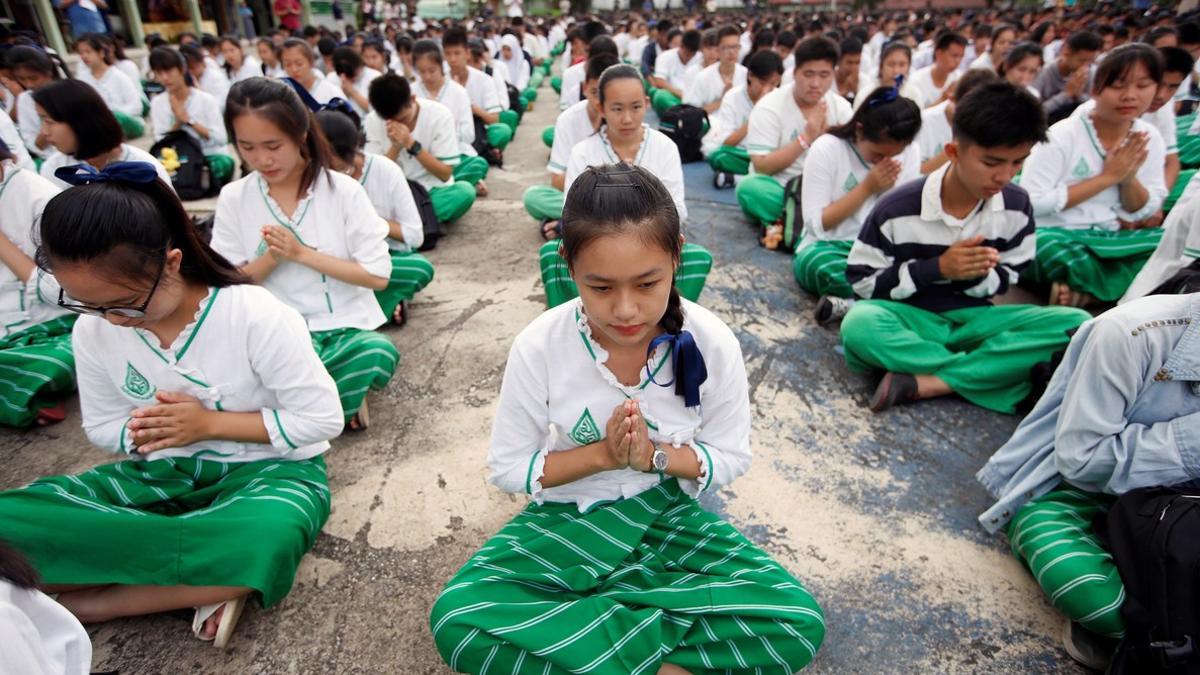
450	619
861	322
804	634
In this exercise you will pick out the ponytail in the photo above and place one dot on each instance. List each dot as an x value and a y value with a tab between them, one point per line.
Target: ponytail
672	319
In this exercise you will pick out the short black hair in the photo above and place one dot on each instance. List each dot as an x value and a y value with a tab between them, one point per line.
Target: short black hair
726	31
998	114
346	61
165	58
427	48
592	30
389	94
455	36
1158	32
192	53
597	64
1177	60
326	46
664	26
945	40
602	44
816	49
76	104
1116	64
786	39
850	45
971	80
1084	41
342	132
691	40
762	64
1189	33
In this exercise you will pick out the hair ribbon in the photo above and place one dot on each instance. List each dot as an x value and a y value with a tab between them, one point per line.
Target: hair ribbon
137	173
888	95
687	363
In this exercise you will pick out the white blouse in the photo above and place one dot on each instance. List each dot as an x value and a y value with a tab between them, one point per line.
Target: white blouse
201	107
388	190
129	153
557	394
25	302
658	154
118	92
40	635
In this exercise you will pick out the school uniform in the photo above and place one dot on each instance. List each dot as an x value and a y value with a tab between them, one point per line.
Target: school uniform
922	80
236	513
129	153
1178	249
545	202
471	167
214	82
635	551
40	635
669	66
362	84
572	85
11	137
1120	413
323	92
481	91
130	69
389	193
1084	245
777	121
203	108
251	67
935	131
335	217
36	364
981	62
708	85
660	156
870	84
29	124
916	322
122	96
832	168
274	72
436	132
734	112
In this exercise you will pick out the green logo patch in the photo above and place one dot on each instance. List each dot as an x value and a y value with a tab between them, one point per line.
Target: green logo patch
850	184
1082	170
585	430
136	385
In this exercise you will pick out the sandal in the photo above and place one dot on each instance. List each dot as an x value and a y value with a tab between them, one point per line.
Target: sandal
554	232
229	619
361	420
51	415
400	314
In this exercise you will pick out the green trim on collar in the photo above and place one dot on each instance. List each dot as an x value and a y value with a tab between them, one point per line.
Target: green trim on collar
199	323
645	383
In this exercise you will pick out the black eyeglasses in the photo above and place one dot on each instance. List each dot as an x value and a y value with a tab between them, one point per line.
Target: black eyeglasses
123	312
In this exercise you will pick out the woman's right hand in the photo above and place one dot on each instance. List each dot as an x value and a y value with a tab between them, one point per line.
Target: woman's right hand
883	175
1125	160
616	439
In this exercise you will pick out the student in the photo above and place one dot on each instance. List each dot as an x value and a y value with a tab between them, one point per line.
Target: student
1095	171
270	56
309	235
389	193
846	170
934	252
115	54
497	72
1062	83
784	123
894	61
935	120
1022	65
1002	40
422	138
183	107
353	78
238	66
376	56
36	363
486	111
518	68
81	128
432	84
572	80
298	63
33	69
209	390
207	77
41	636
11	139
1118	415
848	68
545	202
623	137
120	94
724	145
713	82
938	78
615	492
670	69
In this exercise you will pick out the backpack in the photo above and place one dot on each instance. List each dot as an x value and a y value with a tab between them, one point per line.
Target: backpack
514	99
786	233
1152	535
429	220
192	178
686	125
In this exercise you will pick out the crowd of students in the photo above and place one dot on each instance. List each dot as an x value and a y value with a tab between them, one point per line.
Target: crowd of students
929	175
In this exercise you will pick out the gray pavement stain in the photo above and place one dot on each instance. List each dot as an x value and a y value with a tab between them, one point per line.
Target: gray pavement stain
875	514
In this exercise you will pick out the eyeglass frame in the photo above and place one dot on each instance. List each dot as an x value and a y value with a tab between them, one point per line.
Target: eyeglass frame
99	310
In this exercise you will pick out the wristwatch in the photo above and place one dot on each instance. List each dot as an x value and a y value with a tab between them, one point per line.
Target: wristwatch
659	460
414	149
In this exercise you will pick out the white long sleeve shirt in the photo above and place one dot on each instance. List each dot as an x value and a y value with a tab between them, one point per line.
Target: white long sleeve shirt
458	102
658	154
777	121
393	200
558	394
832	168
708	85
201	107
40	635
119	93
245	351
33	300
1073	154
335	217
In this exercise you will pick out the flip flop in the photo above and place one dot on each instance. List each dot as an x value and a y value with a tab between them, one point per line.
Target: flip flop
51	415
362	418
229	619
401	311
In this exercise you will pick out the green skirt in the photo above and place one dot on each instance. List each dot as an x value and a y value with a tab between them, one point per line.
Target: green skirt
1099	262
37	367
622	589
173	521
694	265
358	361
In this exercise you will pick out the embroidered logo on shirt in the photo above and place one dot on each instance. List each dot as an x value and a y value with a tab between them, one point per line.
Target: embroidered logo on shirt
850	184
1082	170
136	384
585	430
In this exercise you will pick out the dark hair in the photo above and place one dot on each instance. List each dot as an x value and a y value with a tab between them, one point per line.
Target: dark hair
947	39
14	567
33	58
982	30
1177	60
1118	62
326	45
619	199
297	43
879	120
427	48
130	226
998	114
277	102
1039	31
786	39
764	64
346	61
166	58
592	30
971	79
893	46
602	44
404	44
342	133
389	94
1158	32
1018	53
455	36
192	53
664	26
850	45
691	40
1189	33
597	64
727	31
1002	28
621	71
1084	41
816	49
77	105
5	152
97	43
208	40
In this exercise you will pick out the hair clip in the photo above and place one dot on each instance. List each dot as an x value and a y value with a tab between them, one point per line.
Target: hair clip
136	173
887	95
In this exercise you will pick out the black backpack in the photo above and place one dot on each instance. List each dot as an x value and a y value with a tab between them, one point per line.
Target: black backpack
1154	537
429	221
686	125
192	179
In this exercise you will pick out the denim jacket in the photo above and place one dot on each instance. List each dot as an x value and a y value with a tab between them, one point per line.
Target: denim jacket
1121	412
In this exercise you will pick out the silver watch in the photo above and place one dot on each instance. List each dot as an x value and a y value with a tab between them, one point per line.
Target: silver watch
659	460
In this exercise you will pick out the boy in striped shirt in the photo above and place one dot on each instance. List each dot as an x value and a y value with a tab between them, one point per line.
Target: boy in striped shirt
935	251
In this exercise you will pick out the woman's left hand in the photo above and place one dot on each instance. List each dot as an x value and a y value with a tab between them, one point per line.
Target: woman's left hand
641	450
176	421
282	243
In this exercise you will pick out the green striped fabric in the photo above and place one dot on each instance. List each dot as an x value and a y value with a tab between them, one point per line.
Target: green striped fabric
411	272
1176	192
620	590
820	268
1099	262
172	521
358	361
695	262
1053	536
37	367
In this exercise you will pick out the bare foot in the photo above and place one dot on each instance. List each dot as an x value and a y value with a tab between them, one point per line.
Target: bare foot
481	189
361	419
672	669
209	631
1064	295
550	230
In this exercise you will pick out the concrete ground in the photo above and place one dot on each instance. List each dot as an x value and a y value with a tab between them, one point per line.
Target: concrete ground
874	513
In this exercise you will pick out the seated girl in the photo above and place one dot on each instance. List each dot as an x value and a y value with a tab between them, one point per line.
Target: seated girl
121	95
616	411
309	235
624	138
894	61
36	363
299	65
81	128
1021	66
238	65
1097	175
210	393
182	107
270	57
936	120
33	69
389	193
206	75
845	171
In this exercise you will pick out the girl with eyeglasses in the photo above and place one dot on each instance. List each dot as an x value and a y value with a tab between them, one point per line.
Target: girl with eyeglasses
209	391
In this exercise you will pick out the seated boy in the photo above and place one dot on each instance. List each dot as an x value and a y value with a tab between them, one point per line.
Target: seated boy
934	252
715	80
724	145
670	71
481	90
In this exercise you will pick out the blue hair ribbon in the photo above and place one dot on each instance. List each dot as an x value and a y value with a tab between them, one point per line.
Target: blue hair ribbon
687	363
888	95
137	173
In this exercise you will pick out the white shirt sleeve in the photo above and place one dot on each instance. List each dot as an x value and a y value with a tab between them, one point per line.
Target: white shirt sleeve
491	101
560	151
1043	177
160	116
575	165
376	132
820	180
366	231
520	431
227	228
128	97
763	134
210	116
444	144
29	124
106	412
723	444
910	164
404	209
